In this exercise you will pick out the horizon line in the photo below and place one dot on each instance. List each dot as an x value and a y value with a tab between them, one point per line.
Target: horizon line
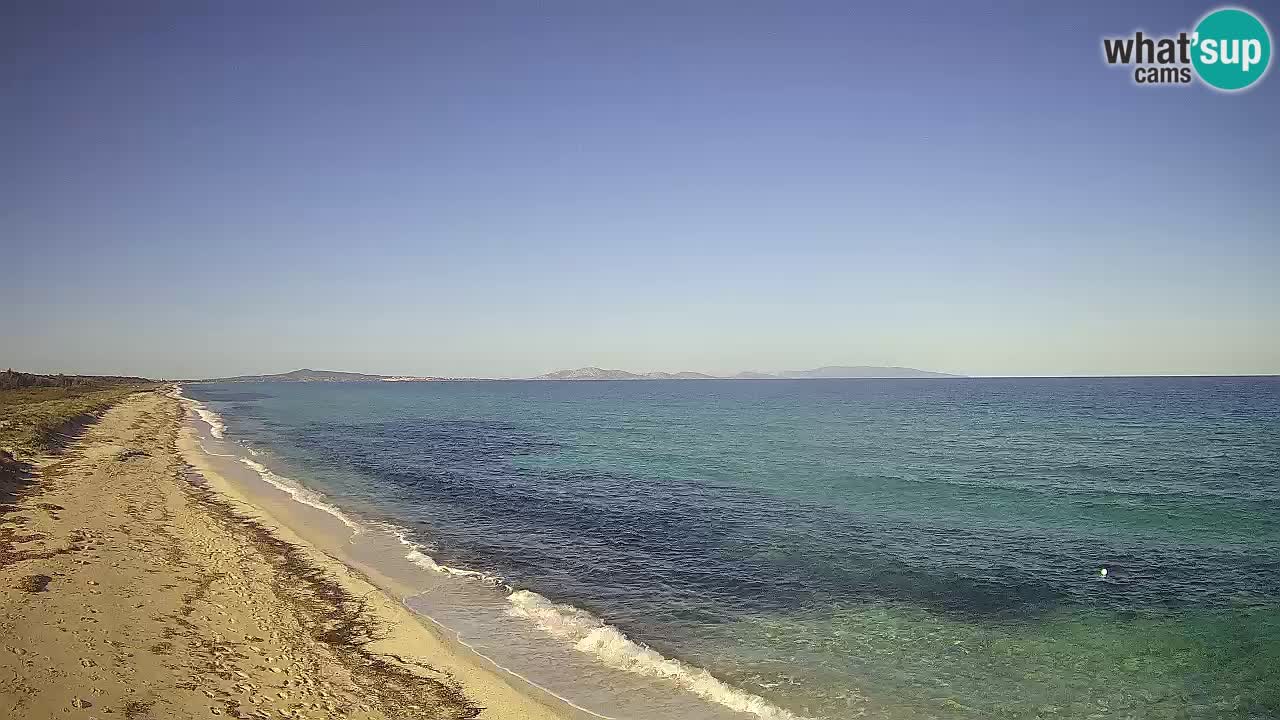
458	378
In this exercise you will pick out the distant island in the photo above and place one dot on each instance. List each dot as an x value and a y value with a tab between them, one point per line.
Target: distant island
864	371
826	372
595	373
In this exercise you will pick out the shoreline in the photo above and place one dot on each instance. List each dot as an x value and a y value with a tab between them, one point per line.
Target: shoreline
133	585
544	649
322	533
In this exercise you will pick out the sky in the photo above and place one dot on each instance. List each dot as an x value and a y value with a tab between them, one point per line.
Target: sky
506	188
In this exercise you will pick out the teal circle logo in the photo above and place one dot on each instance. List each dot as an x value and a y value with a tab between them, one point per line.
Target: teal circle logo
1232	49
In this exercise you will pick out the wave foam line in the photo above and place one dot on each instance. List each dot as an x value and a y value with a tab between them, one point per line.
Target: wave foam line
426	562
295	490
300	493
205	448
459	639
591	635
216	426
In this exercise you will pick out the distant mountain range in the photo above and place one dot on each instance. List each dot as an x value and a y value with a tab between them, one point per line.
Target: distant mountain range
595	373
829	371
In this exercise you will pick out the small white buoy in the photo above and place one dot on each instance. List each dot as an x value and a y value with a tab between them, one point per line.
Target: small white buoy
1102	572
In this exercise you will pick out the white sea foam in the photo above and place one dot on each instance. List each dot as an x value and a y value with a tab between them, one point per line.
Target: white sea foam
300	493
426	562
609	645
591	635
216	426
295	490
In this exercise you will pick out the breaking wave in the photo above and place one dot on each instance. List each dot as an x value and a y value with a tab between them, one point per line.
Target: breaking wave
300	493
591	635
609	645
216	427
426	562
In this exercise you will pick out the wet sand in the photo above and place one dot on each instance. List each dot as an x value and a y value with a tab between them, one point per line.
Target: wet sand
136	582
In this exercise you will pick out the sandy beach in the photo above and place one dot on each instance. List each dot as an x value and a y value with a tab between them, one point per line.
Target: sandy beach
136	582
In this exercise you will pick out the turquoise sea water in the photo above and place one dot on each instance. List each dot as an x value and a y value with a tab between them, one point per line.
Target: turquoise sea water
839	548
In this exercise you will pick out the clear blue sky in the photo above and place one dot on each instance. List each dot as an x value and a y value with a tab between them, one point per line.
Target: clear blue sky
509	188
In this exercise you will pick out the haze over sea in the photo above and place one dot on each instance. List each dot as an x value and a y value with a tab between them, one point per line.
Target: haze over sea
826	548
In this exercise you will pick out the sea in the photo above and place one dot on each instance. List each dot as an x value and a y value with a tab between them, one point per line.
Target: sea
825	549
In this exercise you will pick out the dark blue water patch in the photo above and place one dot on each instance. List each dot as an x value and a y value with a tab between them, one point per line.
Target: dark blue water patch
458	444
632	543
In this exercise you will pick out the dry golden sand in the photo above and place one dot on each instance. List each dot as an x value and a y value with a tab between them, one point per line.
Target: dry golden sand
133	586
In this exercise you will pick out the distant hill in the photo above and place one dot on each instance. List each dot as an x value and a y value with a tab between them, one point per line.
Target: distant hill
684	375
864	371
589	373
304	375
595	373
830	371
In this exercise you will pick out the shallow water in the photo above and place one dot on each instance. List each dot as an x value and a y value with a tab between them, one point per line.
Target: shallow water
829	549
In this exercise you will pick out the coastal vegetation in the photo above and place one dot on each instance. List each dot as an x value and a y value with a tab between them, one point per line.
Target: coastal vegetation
37	411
